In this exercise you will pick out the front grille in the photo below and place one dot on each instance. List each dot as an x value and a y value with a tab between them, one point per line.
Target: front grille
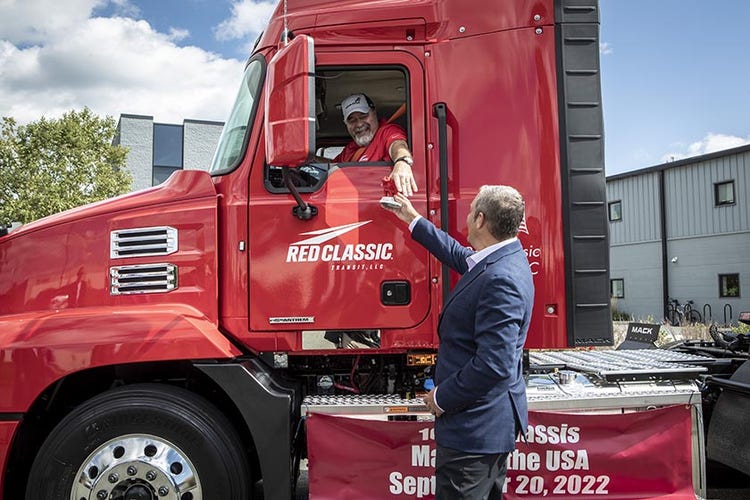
146	278
143	241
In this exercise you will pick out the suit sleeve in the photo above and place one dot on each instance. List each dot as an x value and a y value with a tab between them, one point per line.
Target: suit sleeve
441	245
498	322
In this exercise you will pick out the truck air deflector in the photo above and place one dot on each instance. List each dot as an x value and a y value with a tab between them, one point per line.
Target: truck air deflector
582	173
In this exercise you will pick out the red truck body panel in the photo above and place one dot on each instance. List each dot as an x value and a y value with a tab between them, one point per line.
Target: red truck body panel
517	99
58	315
362	22
43	348
62	261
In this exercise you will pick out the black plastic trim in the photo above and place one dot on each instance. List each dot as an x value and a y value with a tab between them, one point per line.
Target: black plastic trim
732	385
440	111
585	217
268	408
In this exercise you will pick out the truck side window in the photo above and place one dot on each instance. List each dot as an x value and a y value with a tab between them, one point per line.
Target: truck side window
308	178
233	138
386	86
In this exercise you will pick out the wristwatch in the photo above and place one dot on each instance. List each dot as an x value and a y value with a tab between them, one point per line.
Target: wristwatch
406	159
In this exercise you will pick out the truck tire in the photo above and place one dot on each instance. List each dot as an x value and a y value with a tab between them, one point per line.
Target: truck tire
142	442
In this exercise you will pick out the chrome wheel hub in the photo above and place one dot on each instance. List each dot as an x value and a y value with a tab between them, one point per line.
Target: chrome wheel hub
137	467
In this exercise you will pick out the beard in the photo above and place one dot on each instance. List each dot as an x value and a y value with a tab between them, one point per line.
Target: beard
364	138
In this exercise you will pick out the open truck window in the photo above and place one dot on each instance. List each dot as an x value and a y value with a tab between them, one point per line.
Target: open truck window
386	86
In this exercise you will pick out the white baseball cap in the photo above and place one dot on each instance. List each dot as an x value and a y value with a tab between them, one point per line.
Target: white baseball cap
359	103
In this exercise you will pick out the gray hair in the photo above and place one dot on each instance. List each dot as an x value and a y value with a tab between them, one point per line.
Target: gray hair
503	209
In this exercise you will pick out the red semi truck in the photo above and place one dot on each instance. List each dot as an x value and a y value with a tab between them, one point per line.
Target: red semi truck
172	342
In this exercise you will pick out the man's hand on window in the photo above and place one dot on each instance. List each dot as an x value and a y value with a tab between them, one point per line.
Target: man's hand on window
403	178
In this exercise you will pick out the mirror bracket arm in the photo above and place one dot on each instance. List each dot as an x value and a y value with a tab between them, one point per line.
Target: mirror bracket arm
303	211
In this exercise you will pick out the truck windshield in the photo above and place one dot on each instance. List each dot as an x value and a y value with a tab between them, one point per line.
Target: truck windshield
233	137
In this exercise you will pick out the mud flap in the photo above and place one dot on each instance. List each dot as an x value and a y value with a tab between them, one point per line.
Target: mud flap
728	433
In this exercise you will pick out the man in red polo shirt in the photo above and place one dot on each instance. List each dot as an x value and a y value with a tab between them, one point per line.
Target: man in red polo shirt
376	140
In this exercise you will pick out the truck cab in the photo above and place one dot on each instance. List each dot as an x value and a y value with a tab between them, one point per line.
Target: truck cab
464	130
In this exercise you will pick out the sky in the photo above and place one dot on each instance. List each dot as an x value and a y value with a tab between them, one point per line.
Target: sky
675	73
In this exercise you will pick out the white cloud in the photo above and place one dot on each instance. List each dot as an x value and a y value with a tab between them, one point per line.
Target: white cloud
50	64
177	34
124	8
34	21
605	48
248	19
709	144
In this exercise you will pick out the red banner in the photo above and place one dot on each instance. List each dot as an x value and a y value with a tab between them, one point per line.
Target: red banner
634	455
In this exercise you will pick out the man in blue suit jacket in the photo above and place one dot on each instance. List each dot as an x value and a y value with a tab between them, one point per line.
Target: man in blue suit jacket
480	397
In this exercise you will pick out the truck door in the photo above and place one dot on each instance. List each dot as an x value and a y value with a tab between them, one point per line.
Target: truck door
349	264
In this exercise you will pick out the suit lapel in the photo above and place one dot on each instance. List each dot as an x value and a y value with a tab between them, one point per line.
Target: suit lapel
465	280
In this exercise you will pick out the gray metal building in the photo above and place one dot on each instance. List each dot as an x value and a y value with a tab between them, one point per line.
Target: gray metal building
158	149
682	230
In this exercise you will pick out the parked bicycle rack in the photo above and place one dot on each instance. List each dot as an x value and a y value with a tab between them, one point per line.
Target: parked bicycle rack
727	306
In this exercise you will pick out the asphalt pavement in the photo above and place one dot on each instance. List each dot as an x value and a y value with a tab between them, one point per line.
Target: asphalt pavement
302	489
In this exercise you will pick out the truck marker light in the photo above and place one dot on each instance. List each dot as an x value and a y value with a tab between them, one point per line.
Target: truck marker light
396	409
421	359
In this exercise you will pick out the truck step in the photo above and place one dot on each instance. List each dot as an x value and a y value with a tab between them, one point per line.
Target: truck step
368	406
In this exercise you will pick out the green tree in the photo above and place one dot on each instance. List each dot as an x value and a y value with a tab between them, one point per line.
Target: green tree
52	165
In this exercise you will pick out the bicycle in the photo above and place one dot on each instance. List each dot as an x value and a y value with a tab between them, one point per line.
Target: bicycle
681	314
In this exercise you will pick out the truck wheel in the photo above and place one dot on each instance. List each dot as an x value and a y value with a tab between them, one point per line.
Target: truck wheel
141	442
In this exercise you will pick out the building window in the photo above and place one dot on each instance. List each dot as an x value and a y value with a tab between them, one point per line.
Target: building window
615	211
617	288
161	174
167	151
724	193
729	285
